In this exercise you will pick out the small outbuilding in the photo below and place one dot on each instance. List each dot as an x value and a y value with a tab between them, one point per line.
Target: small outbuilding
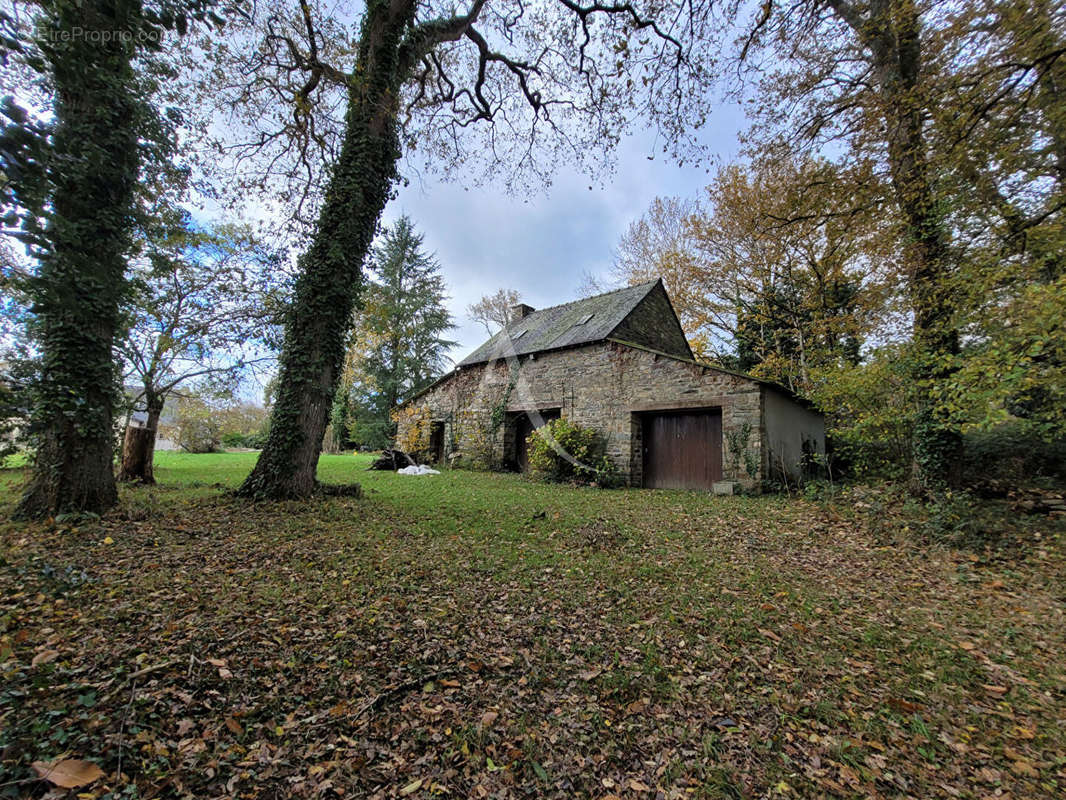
618	363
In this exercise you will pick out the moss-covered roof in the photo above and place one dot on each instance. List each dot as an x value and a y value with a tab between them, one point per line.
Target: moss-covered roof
591	319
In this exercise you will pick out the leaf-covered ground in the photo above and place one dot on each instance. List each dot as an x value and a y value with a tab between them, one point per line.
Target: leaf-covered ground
475	635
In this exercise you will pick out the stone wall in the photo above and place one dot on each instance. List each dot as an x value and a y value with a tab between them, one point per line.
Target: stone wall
654	324
605	386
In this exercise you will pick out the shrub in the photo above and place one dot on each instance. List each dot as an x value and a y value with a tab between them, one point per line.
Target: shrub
252	441
232	439
1013	455
565	451
870	414
198	426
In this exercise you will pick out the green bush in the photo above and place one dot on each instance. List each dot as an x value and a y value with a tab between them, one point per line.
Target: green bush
253	441
1012	455
198	426
564	451
870	412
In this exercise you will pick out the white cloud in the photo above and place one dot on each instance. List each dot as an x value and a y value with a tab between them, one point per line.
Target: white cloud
543	244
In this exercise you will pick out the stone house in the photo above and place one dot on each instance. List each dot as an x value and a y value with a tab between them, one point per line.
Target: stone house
620	364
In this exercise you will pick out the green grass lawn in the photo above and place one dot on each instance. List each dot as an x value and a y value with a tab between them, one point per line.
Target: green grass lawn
480	635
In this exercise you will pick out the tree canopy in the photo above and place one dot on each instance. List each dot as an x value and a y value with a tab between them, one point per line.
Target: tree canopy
494	311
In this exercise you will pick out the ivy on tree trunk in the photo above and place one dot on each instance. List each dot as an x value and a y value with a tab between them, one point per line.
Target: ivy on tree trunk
80	282
331	269
893	35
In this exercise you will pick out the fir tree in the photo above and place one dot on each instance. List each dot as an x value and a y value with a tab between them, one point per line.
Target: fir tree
399	346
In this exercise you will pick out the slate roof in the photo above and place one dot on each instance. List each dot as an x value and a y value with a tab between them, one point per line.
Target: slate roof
591	319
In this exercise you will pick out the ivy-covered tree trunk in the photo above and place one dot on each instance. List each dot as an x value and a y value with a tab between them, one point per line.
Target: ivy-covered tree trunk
331	269
937	442
80	280
138	446
893	35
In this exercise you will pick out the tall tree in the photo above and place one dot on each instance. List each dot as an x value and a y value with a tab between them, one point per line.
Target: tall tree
399	346
795	266
1002	128
661	245
494	311
864	74
783	271
201	308
420	71
73	178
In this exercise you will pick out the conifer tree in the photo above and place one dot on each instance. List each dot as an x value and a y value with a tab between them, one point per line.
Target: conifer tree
399	344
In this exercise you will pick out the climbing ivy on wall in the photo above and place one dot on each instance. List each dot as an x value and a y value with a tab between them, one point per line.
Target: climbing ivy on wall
740	452
412	428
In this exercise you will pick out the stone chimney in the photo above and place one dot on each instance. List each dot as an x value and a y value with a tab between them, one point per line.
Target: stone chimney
521	311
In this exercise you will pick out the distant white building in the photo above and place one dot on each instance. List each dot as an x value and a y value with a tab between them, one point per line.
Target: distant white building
167	432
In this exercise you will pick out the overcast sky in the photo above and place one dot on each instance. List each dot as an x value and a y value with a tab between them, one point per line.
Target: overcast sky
543	244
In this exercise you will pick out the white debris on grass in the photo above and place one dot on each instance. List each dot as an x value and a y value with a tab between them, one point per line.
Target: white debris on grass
421	469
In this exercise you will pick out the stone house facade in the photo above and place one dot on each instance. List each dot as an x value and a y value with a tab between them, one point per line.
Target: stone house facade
618	363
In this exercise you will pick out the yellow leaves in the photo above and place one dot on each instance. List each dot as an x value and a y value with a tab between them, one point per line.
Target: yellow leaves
69	773
412	428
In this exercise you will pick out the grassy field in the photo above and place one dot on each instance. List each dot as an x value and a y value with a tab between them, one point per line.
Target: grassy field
477	635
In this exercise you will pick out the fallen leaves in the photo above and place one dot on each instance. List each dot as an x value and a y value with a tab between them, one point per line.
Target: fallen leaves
411	788
69	773
719	649
44	657
221	664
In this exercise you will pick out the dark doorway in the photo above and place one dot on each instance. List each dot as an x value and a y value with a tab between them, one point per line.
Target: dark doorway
436	442
683	450
523	426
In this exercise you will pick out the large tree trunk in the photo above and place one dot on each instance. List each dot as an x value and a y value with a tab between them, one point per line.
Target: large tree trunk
937	441
331	270
80	280
893	37
138	447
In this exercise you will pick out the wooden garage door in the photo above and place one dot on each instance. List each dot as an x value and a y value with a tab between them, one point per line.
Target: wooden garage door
683	450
